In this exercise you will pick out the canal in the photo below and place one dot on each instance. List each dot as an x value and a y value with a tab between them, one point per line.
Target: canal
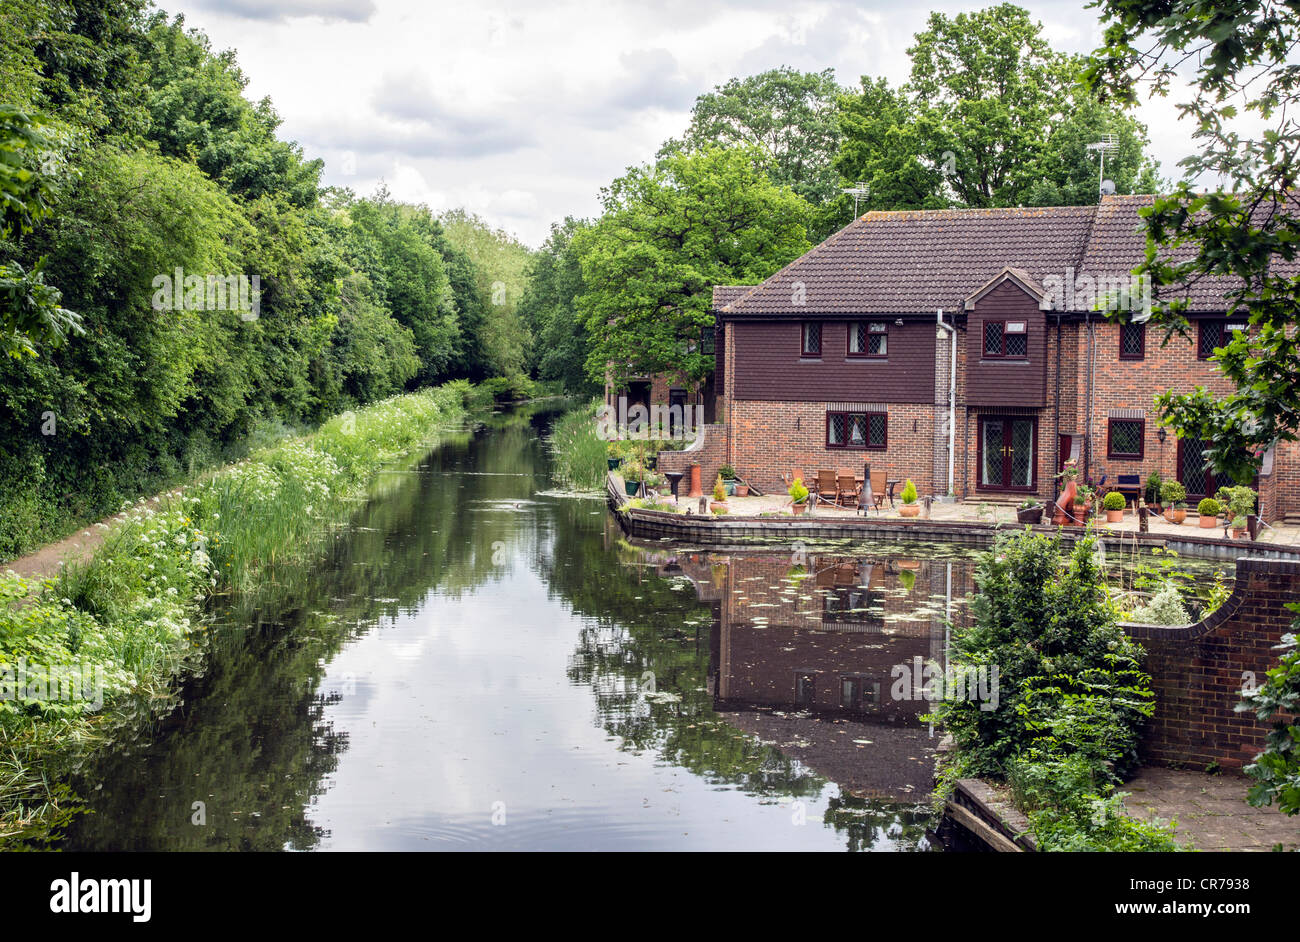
482	662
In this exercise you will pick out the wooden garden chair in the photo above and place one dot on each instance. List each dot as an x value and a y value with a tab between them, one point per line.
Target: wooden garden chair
847	487
828	489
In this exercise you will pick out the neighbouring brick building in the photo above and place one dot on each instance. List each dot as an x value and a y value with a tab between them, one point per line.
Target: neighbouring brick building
846	356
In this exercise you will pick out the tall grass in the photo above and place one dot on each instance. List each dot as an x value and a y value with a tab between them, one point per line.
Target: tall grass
133	609
580	455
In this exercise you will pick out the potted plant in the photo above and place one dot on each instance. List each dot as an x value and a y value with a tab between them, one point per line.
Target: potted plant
728	475
1240	501
1083	503
1173	494
1030	511
633	472
1209	509
908	497
719	496
1152	491
798	496
1114	503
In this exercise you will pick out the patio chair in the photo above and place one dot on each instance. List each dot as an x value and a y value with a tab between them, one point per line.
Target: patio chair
828	490
879	485
790	478
847	487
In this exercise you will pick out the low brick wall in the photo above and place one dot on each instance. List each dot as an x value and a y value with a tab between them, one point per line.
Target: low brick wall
709	451
1198	671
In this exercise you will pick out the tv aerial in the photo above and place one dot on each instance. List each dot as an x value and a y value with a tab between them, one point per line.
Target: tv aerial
1108	144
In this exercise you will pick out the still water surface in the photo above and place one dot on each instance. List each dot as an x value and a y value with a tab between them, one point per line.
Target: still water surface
479	663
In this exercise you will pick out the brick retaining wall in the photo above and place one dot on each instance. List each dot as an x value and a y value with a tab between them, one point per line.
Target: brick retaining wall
1198	670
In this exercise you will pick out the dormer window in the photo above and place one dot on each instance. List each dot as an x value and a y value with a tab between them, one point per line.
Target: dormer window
1006	339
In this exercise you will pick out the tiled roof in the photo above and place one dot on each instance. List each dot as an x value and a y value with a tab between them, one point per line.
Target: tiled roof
725	294
916	261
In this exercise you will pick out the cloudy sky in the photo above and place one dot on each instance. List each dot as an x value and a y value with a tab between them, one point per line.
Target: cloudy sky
521	112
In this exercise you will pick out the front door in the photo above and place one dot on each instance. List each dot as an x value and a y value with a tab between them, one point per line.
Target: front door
1008	458
1193	472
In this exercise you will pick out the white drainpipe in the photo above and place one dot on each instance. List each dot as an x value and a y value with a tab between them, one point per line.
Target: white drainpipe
952	398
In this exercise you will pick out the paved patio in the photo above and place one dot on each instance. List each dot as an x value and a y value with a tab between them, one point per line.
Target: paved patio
974	511
1210	810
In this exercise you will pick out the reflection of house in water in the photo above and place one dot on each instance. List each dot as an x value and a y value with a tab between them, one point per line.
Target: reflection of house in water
804	656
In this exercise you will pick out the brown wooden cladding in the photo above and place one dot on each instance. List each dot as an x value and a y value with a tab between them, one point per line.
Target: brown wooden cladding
768	365
1006	381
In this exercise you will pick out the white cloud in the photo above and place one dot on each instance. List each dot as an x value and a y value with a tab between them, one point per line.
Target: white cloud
525	112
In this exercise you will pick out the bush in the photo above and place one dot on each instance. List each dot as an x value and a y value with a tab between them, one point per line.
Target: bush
1152	490
719	490
1165	608
1172	493
1113	501
909	492
1208	507
798	493
1070	680
509	388
1239	500
727	472
1276	770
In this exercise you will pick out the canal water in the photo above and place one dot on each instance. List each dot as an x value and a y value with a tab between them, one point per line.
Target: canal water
480	662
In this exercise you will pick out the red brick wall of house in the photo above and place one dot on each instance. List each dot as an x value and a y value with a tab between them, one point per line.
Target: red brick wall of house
709	452
771	439
1198	671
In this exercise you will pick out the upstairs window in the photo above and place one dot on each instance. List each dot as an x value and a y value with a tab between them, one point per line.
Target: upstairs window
1006	339
858	430
868	339
1132	341
1213	334
811	345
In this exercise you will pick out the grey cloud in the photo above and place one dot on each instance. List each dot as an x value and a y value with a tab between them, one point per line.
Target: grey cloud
429	127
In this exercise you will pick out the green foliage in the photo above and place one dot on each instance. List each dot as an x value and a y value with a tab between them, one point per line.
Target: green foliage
579	453
1238	500
1113	501
1209	507
909	492
1069	809
727	472
1071	681
670	232
1232	58
1276	770
719	490
1172	493
798	493
509	388
548	309
1164	608
1151	492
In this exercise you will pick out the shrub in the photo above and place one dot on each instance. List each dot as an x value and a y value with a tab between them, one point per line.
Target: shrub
1165	608
719	489
1113	501
1172	493
1240	500
1152	490
1208	507
798	493
909	492
1070	680
727	472
1276	770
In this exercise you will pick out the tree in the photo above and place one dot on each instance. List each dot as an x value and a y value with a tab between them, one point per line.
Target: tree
31	311
788	116
1246	232
882	147
549	308
669	233
997	111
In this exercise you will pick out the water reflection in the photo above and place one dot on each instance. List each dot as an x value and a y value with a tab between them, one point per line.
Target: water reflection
476	662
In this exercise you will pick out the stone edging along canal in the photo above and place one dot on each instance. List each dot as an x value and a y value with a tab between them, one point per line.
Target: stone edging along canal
722	530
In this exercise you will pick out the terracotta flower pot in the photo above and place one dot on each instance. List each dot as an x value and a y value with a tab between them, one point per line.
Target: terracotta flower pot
798	508
718	505
1238	532
742	490
1206	522
909	510
1114	516
1175	515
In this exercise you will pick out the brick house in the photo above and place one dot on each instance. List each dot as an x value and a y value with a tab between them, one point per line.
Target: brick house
961	349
